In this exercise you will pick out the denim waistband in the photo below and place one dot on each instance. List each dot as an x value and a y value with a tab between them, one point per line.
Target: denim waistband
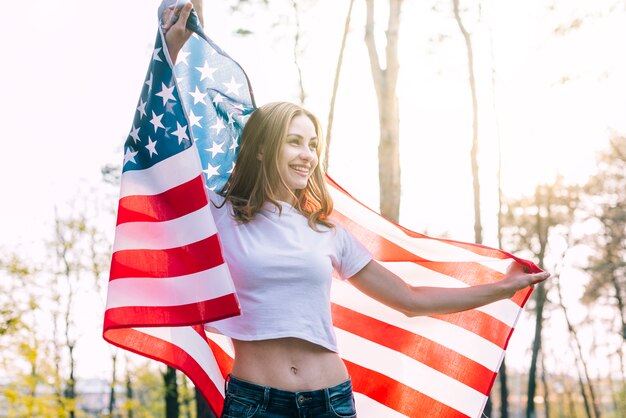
269	395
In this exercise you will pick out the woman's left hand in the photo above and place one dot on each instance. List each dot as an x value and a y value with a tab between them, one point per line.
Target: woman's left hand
517	278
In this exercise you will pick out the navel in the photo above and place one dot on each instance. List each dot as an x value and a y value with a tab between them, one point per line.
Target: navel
294	370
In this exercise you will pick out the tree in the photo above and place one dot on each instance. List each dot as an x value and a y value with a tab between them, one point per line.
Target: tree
607	192
333	97
467	37
385	82
529	222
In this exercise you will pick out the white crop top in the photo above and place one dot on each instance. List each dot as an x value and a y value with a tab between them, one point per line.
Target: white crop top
282	270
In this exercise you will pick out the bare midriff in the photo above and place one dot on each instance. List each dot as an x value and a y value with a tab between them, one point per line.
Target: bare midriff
288	363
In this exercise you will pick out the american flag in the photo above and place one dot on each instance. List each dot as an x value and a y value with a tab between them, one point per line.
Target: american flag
186	131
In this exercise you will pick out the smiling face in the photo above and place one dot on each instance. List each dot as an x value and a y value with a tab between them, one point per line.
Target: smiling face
297	157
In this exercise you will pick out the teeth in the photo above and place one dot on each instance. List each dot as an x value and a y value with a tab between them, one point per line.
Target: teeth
301	169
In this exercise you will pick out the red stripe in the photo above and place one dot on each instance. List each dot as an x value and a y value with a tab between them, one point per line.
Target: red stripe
171	204
224	361
193	313
170	354
387	251
481	324
188	259
428	352
396	395
475	248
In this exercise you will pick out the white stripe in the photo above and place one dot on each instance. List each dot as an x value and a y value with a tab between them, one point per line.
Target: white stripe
222	341
187	339
171	172
173	291
410	372
505	311
430	249
462	341
367	407
185	230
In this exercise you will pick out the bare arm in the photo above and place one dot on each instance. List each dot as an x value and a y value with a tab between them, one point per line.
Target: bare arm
379	283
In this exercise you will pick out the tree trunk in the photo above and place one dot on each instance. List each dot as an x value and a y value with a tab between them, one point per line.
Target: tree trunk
385	81
540	298
478	229
202	407
542	229
296	50
504	391
171	393
333	97
129	394
579	354
546	390
113	379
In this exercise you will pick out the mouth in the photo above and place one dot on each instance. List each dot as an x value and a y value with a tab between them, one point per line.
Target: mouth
301	170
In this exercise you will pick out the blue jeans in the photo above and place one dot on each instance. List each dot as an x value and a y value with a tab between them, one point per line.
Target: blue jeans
247	400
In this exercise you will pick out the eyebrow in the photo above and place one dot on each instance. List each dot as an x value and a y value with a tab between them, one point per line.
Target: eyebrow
301	137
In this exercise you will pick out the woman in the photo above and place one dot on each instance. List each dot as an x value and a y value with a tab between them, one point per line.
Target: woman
272	217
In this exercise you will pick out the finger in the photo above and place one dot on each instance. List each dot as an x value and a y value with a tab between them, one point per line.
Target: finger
539	277
167	17
185	11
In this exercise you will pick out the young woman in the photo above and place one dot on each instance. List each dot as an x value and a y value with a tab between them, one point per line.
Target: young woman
272	217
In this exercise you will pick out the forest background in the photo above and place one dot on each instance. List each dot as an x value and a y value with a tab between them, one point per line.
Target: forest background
510	130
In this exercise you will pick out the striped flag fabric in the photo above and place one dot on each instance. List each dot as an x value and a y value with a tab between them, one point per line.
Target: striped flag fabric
439	366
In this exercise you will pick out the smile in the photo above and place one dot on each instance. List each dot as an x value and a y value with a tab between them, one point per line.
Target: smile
300	169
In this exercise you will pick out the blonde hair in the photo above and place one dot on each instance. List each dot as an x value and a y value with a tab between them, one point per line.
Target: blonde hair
255	181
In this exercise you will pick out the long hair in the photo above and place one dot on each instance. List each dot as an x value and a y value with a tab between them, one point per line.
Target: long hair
255	181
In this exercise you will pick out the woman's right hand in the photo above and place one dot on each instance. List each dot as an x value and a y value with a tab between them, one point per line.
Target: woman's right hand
176	32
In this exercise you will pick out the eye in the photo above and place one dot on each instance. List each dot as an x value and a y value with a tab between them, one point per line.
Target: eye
313	145
293	141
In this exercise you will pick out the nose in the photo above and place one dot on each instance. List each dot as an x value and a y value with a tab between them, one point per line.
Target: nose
308	154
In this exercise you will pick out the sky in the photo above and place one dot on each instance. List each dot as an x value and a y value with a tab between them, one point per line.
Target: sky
72	73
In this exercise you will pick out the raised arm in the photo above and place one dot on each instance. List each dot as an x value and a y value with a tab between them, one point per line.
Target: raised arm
174	22
379	283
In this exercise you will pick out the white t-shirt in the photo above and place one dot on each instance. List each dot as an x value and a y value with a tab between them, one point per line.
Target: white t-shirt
282	270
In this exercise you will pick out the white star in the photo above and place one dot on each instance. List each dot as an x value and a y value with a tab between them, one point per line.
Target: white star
141	108
156	121
129	156
167	93
198	96
231	169
231	119
194	120
211	171
234	145
151	147
219	125
155	54
233	86
215	149
149	82
134	133
218	98
180	132
182	57
206	71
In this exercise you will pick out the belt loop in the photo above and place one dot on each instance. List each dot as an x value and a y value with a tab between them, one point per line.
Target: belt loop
266	398
226	384
327	396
